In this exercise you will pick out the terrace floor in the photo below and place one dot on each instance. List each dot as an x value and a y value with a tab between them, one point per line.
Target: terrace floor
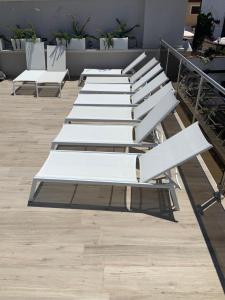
73	251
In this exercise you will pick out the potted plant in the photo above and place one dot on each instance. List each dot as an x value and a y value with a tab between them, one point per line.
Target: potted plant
62	38
17	37
79	36
118	38
204	29
20	36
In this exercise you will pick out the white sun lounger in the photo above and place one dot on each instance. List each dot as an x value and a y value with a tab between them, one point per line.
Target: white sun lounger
122	99
119	169
35	61
56	69
117	135
113	72
124	79
122	88
118	113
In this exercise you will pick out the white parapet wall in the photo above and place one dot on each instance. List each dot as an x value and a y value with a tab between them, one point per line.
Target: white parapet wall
12	63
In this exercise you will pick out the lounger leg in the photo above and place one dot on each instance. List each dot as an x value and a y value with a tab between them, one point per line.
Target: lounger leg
174	198
54	146
36	89
60	90
81	80
128	198
33	190
68	74
14	89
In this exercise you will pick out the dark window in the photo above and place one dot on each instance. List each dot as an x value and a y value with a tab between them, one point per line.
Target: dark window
195	10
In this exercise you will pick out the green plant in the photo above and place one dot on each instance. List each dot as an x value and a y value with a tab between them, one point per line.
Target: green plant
79	31
30	34
108	39
17	32
210	53
24	33
204	29
121	31
62	36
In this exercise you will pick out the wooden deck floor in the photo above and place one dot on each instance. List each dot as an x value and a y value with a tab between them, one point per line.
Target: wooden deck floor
86	253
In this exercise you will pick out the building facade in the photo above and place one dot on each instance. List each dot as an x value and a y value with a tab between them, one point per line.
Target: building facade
192	12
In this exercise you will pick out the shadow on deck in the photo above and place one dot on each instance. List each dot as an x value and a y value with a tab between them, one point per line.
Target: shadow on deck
109	198
212	222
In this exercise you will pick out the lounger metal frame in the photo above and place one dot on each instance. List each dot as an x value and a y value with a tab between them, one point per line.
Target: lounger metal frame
124	71
170	185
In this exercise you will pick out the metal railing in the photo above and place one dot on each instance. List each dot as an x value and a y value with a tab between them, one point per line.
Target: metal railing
184	61
203	97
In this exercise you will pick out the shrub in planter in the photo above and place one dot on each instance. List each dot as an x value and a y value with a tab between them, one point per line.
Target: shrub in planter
79	36
62	38
17	36
118	38
112	43
21	36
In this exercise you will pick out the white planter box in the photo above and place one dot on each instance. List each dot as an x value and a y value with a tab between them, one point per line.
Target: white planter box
62	42
2	44
19	44
22	44
77	44
118	44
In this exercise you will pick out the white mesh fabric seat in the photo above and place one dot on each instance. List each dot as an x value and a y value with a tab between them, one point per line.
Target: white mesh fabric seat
122	88
56	69
91	167
116	135
117	113
97	135
103	99
120	168
102	114
124	79
113	72
29	76
52	77
122	99
35	61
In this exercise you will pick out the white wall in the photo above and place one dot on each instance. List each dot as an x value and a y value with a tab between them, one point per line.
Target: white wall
164	19
217	8
51	16
158	18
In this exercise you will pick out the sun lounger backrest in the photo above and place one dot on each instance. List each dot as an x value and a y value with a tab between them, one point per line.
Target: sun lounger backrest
134	63
176	150
149	88
35	56
152	63
147	77
155	116
143	108
56	58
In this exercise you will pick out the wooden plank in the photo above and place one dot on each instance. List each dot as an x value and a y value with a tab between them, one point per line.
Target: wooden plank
69	253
